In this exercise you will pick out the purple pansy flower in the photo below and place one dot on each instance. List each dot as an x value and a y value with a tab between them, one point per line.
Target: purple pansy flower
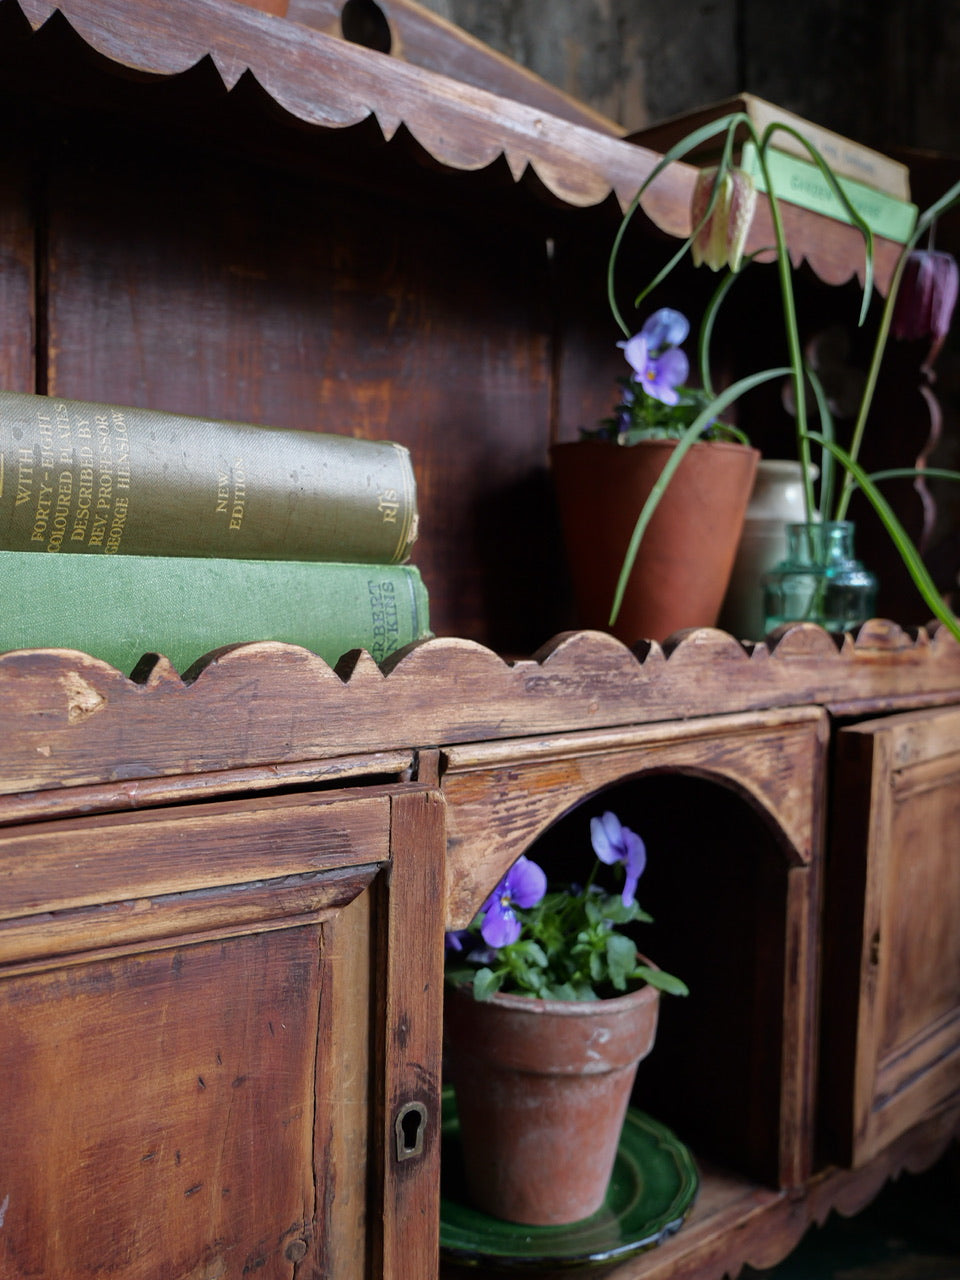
612	842
456	939
658	365
665	328
523	886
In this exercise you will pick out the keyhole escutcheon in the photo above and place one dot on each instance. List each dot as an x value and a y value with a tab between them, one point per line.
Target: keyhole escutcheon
409	1128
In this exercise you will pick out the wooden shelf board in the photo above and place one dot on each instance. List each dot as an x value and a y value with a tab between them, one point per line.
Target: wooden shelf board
326	83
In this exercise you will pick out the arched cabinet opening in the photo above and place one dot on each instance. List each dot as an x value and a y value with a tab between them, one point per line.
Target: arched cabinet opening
716	883
728	813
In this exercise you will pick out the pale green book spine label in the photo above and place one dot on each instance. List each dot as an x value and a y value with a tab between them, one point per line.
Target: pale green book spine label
802	183
110	480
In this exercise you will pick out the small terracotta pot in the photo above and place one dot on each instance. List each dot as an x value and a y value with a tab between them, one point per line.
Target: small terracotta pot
687	552
542	1089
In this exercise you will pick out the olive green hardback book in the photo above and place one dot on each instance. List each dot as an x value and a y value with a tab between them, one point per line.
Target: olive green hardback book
77	476
122	607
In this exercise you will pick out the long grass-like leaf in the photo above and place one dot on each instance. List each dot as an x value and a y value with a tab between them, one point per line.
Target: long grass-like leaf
838	191
827	467
949	198
903	473
707	325
901	539
724	124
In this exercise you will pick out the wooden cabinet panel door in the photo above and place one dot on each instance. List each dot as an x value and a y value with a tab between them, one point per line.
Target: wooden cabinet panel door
211	1017
891	994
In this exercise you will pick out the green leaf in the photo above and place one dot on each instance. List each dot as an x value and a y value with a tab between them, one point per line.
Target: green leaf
662	981
838	191
901	539
458	975
928	473
616	912
485	984
528	952
562	991
725	124
827	466
621	959
708	323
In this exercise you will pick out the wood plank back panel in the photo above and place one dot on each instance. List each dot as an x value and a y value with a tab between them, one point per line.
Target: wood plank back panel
19	234
288	302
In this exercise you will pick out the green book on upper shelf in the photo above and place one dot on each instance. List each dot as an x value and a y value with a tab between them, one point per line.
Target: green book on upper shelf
847	157
802	183
77	476
118	608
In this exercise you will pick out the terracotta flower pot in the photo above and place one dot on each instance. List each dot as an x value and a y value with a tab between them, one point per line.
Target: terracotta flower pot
687	553
542	1089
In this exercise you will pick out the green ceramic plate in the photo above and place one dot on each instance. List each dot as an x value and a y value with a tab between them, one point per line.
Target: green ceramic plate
653	1185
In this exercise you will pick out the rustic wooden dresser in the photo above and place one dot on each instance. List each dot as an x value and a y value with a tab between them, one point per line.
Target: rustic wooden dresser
223	893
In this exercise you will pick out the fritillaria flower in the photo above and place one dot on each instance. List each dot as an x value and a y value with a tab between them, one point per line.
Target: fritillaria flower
613	842
720	240
659	367
523	886
928	294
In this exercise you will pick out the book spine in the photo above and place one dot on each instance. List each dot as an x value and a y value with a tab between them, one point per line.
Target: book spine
847	158
804	185
77	476
184	606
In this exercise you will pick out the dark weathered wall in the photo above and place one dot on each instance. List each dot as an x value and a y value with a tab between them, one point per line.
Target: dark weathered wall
884	71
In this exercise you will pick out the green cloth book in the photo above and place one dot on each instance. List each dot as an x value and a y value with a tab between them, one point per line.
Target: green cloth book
801	183
107	479
120	607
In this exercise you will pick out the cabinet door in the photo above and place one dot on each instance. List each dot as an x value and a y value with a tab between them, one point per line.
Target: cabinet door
211	1020
891	994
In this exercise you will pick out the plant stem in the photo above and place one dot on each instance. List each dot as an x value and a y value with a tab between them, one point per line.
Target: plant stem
794	349
873	373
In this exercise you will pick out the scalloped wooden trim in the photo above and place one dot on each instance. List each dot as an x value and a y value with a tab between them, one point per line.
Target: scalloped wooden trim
79	721
327	82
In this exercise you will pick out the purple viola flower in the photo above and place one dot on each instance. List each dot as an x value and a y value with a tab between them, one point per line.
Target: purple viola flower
612	842
658	375
665	328
523	886
456	939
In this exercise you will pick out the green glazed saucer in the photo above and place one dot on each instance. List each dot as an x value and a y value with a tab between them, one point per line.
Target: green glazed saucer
654	1183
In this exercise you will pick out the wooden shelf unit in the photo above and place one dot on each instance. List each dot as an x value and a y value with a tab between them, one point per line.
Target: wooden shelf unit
211	209
264	223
